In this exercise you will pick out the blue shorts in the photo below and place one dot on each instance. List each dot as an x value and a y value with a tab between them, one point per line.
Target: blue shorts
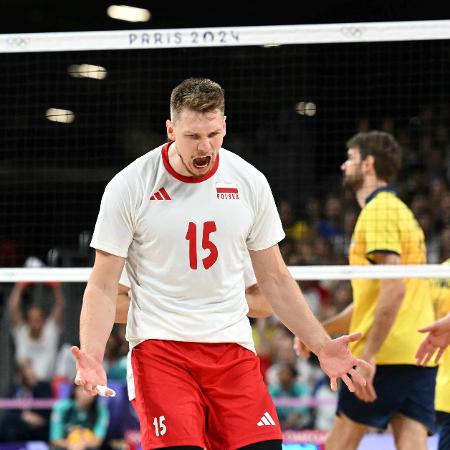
401	389
443	421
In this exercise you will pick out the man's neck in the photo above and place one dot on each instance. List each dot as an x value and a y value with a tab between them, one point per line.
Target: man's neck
370	185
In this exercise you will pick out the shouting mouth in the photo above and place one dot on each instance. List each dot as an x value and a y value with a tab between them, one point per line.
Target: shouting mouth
201	162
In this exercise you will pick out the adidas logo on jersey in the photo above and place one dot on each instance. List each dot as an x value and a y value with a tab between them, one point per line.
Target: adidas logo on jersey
160	195
227	191
266	420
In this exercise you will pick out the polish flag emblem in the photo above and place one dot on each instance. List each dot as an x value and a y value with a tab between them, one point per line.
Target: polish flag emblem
227	188
227	191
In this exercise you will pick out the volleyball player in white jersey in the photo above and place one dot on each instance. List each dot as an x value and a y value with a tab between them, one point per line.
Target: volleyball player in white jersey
184	215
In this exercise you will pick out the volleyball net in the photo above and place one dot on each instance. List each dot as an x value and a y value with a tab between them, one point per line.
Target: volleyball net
75	108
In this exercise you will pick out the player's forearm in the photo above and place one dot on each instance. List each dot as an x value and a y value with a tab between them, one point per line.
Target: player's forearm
444	324
340	323
292	309
97	319
388	304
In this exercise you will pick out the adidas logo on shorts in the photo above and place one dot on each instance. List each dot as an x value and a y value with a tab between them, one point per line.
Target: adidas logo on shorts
266	420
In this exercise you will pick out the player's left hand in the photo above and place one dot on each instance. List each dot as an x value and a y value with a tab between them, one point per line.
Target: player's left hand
367	393
337	361
437	339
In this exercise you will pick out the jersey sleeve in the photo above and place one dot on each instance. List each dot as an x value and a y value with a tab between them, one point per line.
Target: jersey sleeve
114	228
381	230
266	229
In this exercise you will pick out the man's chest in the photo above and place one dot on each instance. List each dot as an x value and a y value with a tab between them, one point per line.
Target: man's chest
177	212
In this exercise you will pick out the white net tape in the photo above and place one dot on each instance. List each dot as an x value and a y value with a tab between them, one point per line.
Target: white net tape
226	36
343	272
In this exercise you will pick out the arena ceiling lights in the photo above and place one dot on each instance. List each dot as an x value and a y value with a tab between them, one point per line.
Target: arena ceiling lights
87	71
128	13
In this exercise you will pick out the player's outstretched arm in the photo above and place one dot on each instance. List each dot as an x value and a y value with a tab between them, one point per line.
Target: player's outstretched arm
97	319
437	339
288	303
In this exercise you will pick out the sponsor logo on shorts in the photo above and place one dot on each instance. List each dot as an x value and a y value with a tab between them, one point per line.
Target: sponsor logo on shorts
266	420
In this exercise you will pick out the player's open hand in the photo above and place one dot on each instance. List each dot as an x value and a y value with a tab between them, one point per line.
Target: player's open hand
437	339
90	373
337	361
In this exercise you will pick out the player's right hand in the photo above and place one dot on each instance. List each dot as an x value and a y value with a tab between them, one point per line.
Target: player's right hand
90	372
337	361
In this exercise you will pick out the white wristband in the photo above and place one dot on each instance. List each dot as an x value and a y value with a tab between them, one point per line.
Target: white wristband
105	391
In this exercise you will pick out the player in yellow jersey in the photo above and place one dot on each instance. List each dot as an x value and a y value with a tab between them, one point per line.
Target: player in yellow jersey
441	297
398	393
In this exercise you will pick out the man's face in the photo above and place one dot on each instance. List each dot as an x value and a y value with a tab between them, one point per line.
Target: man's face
352	169
198	138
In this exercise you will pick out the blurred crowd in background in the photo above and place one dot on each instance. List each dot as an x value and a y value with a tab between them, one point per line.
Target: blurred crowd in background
317	234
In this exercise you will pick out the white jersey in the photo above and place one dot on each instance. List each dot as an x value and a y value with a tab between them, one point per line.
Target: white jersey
185	240
249	280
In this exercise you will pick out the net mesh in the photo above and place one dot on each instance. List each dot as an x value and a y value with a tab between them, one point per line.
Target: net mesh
290	110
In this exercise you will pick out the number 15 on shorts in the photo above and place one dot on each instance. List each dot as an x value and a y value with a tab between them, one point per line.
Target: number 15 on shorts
160	426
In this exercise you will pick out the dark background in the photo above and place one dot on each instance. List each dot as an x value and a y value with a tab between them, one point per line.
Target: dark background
26	16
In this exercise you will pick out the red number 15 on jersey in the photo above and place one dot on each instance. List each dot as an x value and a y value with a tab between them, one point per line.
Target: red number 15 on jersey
191	236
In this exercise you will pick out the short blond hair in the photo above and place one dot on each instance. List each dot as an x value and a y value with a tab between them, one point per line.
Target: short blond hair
197	94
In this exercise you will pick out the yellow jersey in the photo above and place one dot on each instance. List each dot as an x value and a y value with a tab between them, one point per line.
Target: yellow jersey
440	289
387	225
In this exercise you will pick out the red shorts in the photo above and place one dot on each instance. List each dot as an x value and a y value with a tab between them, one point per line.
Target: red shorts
207	395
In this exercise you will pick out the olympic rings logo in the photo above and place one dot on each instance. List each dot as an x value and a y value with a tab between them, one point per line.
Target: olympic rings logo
353	31
17	42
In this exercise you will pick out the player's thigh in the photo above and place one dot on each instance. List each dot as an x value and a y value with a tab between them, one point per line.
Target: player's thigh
408	433
240	409
345	434
419	403
169	403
